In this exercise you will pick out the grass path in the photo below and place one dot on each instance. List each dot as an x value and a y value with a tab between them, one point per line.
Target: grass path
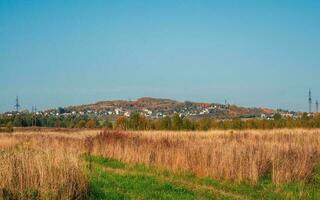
176	182
112	179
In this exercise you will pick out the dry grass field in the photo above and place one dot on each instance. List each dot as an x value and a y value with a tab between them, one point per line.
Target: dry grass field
29	170
48	163
289	155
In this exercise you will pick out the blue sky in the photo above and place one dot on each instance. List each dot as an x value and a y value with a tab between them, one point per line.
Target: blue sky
252	53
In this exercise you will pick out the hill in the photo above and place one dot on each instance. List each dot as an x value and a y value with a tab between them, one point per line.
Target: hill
158	107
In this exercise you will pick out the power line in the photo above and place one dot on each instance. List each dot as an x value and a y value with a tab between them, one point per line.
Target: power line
17	105
310	101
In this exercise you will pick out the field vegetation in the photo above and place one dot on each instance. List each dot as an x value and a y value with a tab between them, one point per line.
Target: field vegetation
287	155
94	164
31	170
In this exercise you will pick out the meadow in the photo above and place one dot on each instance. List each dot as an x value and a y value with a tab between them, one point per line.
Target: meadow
104	164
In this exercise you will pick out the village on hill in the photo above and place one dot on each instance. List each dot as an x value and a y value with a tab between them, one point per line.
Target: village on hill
155	108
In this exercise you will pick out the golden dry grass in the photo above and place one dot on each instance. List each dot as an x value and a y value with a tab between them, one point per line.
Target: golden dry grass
7	141
33	171
241	156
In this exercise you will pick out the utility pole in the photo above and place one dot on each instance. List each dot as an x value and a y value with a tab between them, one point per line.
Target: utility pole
17	105
32	111
35	115
226	104
310	101
317	106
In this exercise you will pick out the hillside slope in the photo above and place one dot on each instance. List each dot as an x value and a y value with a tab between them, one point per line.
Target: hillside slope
167	107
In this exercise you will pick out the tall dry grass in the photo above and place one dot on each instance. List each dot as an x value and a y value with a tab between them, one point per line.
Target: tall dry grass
41	173
243	156
7	141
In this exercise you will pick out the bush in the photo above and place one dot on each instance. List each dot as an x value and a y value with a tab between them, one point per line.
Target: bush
7	129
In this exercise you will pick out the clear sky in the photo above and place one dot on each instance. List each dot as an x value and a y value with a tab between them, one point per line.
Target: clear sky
252	53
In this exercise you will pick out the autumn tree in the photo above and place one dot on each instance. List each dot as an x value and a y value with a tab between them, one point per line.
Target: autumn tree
81	124
121	123
91	124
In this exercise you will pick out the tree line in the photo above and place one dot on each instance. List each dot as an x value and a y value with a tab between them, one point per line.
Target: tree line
139	122
29	120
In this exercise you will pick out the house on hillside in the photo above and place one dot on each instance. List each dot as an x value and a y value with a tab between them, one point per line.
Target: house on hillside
127	114
118	111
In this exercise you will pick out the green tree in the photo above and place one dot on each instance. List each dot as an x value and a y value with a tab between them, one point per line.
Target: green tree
61	110
277	117
165	123
134	121
204	124
9	127
58	123
187	124
177	122
237	124
17	122
69	123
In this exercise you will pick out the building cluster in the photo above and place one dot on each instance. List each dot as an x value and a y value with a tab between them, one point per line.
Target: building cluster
147	112
211	110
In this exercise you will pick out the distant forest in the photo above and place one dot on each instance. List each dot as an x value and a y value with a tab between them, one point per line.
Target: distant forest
139	122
